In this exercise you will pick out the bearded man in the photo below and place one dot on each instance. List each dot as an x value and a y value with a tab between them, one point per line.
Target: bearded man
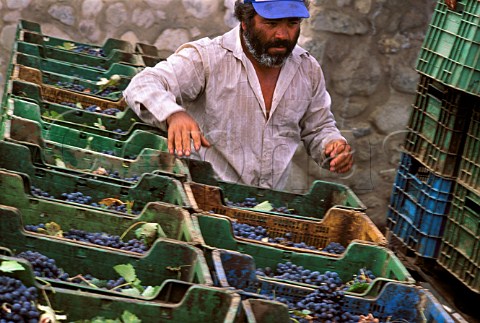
245	100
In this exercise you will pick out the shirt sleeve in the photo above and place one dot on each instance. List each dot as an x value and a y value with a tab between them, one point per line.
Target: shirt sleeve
318	124
157	92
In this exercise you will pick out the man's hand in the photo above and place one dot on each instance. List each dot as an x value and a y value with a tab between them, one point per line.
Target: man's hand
181	129
339	153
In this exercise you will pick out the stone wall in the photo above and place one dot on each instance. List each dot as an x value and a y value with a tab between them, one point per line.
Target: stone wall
367	48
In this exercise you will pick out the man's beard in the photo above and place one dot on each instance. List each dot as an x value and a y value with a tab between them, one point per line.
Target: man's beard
259	49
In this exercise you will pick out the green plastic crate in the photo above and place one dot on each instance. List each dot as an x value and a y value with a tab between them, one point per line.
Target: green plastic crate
175	221
437	126
36	76
339	225
177	225
451	49
310	206
104	125
381	261
469	172
59	67
34	34
59	95
33	44
166	259
25	130
97	165
177	301
460	249
126	120
23	175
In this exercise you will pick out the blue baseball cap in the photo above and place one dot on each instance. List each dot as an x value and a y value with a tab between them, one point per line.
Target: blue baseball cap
278	9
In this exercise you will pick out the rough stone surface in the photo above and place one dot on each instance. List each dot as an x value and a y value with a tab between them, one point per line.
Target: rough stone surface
143	18
200	8
367	49
91	8
13	16
171	39
18	4
356	75
131	37
8	36
382	117
90	30
155	4
63	13
405	79
117	14
339	22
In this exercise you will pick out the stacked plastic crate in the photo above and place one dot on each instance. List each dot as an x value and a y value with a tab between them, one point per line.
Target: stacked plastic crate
435	204
76	161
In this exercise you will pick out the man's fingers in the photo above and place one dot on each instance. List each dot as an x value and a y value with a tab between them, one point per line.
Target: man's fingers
196	137
171	141
186	142
204	141
342	163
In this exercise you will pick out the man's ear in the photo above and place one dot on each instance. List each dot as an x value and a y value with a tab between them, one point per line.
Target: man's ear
243	25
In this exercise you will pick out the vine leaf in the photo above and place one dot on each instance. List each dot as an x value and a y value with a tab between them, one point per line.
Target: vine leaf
9	266
149	232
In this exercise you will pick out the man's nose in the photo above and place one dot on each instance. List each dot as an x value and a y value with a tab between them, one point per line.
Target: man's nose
281	32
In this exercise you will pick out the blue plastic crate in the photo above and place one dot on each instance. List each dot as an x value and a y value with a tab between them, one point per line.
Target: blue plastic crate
396	301
424	245
421	196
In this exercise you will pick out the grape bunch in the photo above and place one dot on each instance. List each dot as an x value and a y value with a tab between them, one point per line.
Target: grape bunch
116	174
324	304
335	248
249	231
18	301
260	233
46	267
93	108
42	265
98	238
89	50
72	86
296	273
79	197
250	202
105	239
39	192
107	91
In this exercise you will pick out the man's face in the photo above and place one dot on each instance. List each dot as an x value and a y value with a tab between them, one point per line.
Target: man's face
271	41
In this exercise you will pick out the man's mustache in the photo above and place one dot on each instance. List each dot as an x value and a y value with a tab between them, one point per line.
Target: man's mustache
279	43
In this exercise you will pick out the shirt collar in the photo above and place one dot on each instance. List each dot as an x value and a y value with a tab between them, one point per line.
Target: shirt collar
231	42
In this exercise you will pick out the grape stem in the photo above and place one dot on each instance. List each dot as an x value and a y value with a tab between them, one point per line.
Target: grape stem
130	228
79	276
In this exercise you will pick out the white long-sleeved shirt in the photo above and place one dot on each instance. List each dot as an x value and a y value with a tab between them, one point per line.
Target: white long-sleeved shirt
216	83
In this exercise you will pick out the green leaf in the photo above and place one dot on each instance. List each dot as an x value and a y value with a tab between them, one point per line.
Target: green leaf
151	291
149	232
138	285
128	317
126	271
358	287
52	229
9	266
67	46
59	162
264	206
131	292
